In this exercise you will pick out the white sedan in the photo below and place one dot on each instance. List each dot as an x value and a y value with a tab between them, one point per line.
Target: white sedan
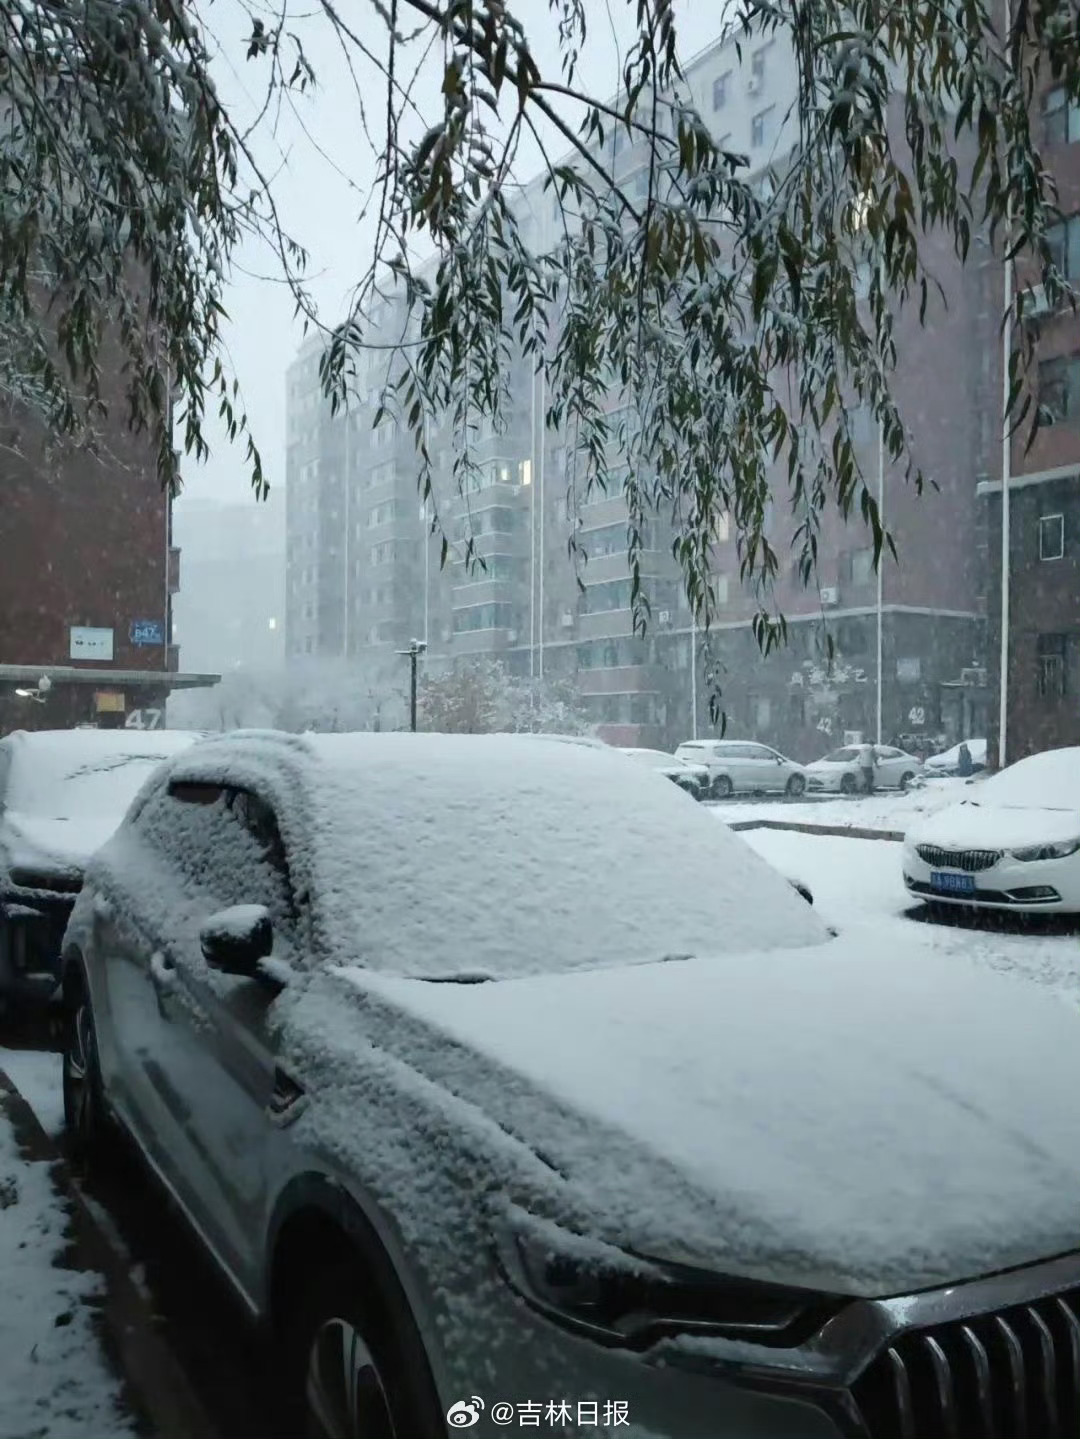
1014	847
947	762
694	778
840	773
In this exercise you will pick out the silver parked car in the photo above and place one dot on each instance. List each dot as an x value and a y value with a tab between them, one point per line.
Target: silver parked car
742	766
840	771
695	779
500	1081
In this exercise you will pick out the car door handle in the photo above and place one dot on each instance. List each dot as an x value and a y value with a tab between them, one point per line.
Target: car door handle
162	970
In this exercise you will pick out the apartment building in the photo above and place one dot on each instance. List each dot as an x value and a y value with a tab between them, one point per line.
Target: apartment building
364	575
87	579
231	610
1043	564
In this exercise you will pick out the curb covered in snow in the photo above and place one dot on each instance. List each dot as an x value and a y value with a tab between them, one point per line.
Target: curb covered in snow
840	831
158	1384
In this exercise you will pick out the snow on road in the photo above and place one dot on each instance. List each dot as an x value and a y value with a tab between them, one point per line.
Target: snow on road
55	1382
857	884
888	810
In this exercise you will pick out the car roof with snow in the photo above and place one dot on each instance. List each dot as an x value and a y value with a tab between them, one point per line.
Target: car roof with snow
1050	780
104	767
432	854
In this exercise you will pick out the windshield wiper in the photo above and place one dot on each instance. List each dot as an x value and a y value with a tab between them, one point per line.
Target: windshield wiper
463	978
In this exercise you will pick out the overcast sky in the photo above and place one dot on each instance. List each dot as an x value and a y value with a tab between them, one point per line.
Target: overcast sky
324	173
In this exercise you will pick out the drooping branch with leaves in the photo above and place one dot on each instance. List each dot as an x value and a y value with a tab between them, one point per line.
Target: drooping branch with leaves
726	320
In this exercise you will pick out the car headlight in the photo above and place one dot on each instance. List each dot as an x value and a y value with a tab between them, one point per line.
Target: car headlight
623	1299
1061	850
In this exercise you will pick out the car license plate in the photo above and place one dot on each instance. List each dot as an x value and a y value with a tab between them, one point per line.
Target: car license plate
946	883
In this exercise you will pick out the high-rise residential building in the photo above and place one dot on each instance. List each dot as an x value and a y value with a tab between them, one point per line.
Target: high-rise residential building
364	575
1042	597
231	611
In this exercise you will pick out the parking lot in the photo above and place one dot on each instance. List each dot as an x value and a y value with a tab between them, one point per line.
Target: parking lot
857	888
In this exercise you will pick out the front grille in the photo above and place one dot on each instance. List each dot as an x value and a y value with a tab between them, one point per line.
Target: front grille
1010	1375
971	860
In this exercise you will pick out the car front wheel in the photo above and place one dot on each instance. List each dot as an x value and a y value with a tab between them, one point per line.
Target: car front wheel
722	787
848	784
906	778
353	1377
796	786
86	1120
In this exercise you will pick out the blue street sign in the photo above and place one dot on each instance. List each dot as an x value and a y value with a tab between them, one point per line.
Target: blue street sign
147	632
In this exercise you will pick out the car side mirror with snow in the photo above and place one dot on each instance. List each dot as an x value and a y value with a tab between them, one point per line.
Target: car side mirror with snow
235	940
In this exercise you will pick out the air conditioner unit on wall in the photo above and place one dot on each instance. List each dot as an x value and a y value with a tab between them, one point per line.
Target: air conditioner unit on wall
1036	303
664	617
753	85
511	637
973	677
567	619
830	595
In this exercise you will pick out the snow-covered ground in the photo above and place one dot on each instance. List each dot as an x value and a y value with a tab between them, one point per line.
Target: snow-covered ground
888	810
55	1382
857	885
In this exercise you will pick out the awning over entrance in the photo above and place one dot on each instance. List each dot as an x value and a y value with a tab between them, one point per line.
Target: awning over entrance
125	679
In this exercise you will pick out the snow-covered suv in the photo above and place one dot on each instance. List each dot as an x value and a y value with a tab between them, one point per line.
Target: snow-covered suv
499	1080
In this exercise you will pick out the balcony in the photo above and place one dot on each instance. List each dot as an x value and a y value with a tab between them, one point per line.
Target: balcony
608	624
172	570
482	590
481	642
619	680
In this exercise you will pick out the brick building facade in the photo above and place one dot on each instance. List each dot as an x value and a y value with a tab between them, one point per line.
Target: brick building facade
1044	490
87	575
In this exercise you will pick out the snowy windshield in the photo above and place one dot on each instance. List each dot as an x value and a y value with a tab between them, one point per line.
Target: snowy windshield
51	779
416	835
841	756
1042	781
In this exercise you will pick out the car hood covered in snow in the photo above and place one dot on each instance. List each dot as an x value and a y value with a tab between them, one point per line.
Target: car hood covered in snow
978	825
52	846
855	1122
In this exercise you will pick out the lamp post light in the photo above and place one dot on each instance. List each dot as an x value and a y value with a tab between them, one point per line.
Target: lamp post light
415	650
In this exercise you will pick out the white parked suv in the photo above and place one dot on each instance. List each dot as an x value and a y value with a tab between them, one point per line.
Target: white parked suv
744	766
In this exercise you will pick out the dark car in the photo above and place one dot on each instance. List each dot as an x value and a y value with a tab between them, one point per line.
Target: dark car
62	793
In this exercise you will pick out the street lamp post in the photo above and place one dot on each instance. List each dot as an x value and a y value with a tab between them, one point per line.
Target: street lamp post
415	650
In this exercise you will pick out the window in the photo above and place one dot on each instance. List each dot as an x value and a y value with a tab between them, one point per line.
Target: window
1051	537
759	128
1063	241
483	617
382	554
1050	678
862	566
230	853
719	90
383	514
761	718
1061	117
1059	389
757	64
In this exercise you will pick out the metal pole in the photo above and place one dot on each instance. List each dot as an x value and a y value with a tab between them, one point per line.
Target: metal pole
414	655
1006	476
532	531
693	674
348	526
880	577
543	512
